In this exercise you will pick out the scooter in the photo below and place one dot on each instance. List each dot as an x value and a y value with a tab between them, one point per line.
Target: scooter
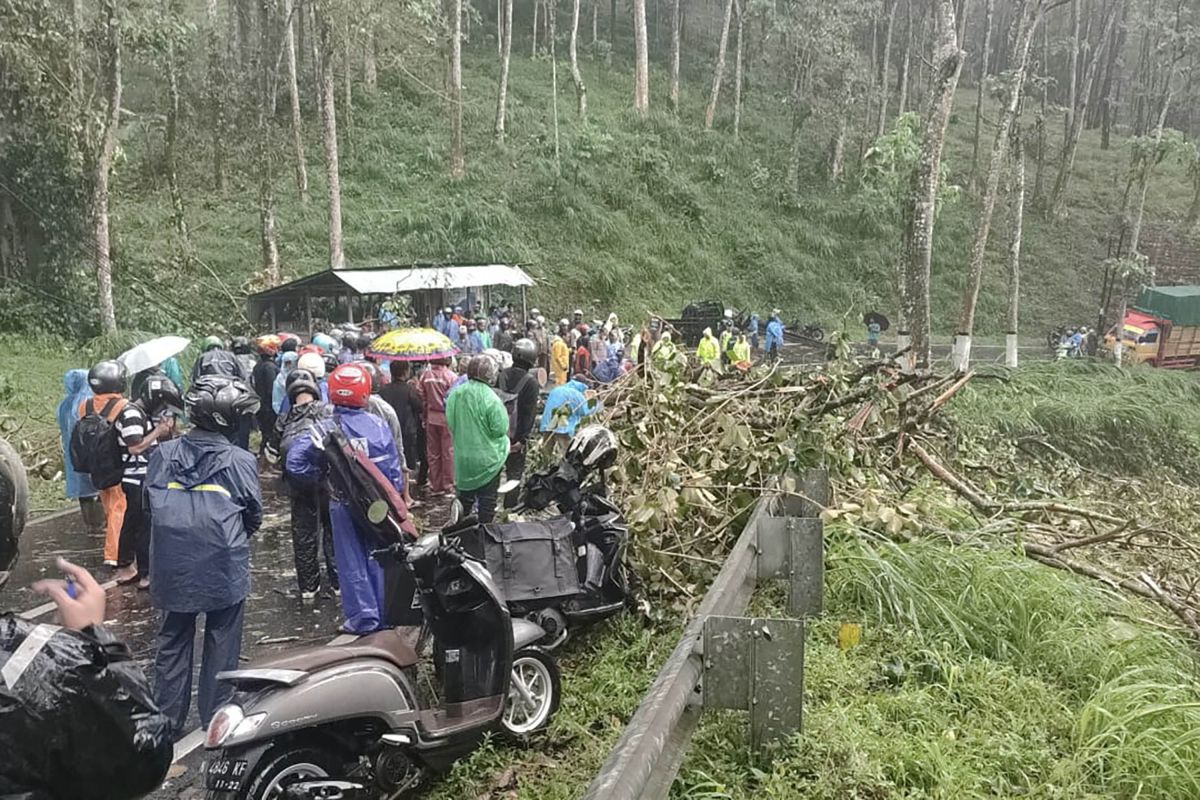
350	720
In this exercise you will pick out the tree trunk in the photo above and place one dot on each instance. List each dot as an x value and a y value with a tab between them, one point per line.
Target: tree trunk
740	10
801	111
551	18
289	52
533	46
1058	197
337	255
641	89
576	75
1135	230
595	22
1025	22
458	162
215	90
921	208
1016	200
370	65
675	20
102	166
178	222
1040	167
905	62
984	60
505	56
884	65
347	92
1072	96
1193	216
719	69
612	25
266	188
837	145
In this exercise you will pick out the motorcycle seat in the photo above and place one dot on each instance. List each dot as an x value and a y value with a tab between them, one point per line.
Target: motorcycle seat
394	645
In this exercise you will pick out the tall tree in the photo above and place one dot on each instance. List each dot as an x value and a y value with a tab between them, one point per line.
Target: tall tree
675	21
921	209
1027	15
289	52
266	78
1073	70
505	58
101	159
989	9
214	86
883	84
740	10
551	17
458	162
576	75
641	65
1078	115
710	110
1108	91
174	13
337	254
905	62
1016	205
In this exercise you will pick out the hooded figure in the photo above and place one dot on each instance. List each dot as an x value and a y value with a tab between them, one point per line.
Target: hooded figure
79	484
478	423
774	341
707	351
752	330
566	407
279	389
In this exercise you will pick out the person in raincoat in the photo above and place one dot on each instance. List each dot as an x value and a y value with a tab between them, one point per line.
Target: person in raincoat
478	422
707	351
453	330
433	385
205	503
566	407
560	355
287	363
107	381
78	484
774	342
77	718
359	576
664	352
752	331
479	339
741	355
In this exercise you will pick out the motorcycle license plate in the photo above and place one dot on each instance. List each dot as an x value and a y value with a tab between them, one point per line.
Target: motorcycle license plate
224	774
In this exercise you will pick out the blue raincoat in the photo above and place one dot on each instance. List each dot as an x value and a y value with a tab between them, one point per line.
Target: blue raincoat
571	396
774	335
204	502
79	484
453	331
752	330
439	322
279	391
360	576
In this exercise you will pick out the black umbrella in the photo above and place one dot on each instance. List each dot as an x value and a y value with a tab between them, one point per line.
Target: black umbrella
875	316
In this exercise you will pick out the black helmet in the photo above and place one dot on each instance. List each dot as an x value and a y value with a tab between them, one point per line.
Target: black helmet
241	345
524	353
159	392
350	341
593	448
216	402
107	377
14	506
290	344
301	381
364	342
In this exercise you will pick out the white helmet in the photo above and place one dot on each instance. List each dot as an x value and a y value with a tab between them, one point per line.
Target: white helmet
729	313
313	363
592	448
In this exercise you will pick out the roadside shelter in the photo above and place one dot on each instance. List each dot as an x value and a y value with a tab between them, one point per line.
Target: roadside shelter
351	294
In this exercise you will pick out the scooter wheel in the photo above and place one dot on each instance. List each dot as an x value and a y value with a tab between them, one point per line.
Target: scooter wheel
283	766
534	693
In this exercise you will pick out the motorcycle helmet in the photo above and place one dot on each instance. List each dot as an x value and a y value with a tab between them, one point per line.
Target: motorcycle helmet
107	377
350	341
300	381
375	373
267	345
363	343
331	362
350	386
524	353
240	345
217	402
324	342
289	344
593	448
211	343
14	507
484	369
159	393
313	363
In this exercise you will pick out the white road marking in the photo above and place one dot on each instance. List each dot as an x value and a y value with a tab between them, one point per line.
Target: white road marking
46	608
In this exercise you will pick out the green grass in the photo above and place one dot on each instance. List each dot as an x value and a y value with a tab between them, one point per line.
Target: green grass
643	215
979	674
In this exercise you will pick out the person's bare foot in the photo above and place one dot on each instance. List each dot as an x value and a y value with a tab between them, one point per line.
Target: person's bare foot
125	575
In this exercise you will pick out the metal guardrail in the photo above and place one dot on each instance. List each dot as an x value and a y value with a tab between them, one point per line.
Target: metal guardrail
724	660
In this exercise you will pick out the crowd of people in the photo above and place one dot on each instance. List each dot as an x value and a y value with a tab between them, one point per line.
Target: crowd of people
1076	342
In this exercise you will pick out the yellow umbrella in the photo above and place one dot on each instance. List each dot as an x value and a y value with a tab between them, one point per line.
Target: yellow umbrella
413	344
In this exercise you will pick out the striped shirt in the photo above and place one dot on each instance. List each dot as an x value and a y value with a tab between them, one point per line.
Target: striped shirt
132	426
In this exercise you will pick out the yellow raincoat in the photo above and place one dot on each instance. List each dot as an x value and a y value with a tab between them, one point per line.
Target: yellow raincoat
707	350
560	360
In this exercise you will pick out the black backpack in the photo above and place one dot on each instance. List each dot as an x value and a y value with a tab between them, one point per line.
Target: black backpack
94	446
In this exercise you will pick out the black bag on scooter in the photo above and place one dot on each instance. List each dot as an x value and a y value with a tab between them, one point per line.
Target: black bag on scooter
532	562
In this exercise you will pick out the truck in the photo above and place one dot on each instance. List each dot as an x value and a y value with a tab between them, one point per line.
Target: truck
1162	328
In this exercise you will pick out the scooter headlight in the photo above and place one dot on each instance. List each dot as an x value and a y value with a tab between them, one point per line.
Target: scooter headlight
231	722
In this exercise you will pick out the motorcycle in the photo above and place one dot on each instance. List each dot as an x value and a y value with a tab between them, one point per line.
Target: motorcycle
351	720
560	570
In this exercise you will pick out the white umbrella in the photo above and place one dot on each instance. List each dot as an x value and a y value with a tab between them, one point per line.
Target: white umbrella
152	353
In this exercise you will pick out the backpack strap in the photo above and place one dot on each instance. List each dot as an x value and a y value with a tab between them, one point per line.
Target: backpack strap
115	405
89	407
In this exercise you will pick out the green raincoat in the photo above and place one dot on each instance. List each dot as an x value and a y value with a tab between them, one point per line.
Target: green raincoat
479	426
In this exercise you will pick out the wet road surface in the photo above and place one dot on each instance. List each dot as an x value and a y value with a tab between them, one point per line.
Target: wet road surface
276	618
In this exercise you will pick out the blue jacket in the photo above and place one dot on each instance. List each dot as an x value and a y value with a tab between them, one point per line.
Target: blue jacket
305	463
454	332
279	390
774	334
439	322
79	484
570	396
205	502
752	325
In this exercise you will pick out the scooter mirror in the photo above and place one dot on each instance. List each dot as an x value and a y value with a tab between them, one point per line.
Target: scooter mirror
377	512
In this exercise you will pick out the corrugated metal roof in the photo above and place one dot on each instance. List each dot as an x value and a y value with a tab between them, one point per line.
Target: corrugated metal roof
411	279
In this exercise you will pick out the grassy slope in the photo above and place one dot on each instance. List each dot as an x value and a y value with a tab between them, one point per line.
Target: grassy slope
644	215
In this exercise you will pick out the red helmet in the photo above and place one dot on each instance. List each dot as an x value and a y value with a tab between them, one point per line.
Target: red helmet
350	385
310	348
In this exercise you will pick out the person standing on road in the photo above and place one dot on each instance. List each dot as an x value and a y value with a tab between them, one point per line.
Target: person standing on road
503	340
560	355
774	343
262	380
78	484
478	422
873	331
432	386
205	504
520	381
107	381
404	399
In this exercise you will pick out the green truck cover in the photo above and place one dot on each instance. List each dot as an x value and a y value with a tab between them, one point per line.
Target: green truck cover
1179	304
